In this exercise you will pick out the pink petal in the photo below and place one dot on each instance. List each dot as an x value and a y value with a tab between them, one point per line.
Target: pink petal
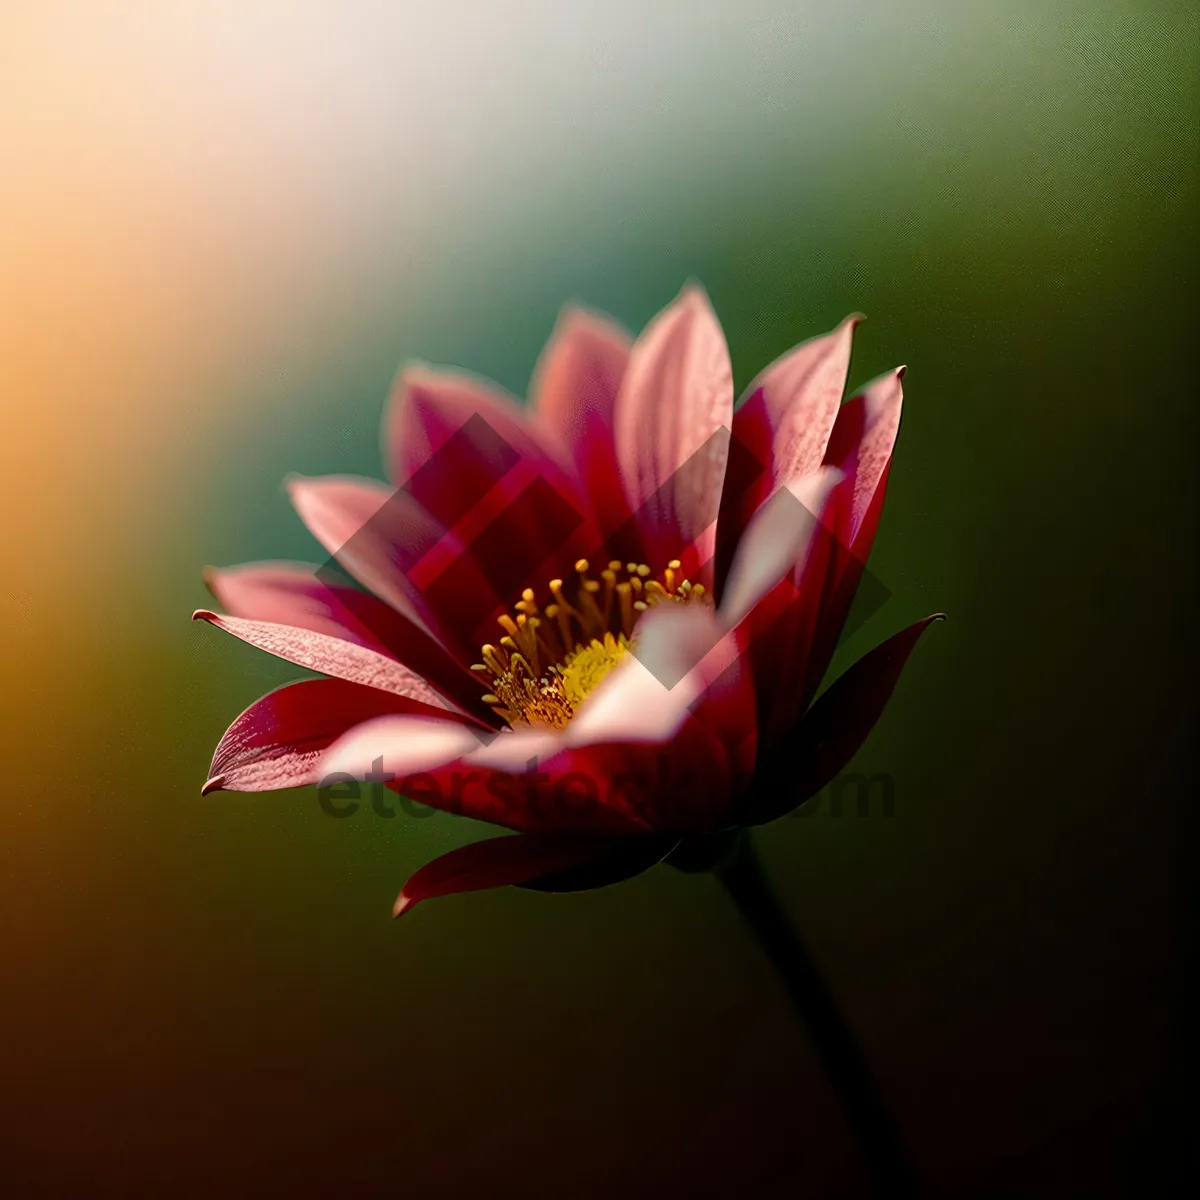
685	668
781	428
390	544
411	745
329	656
773	594
797	630
651	693
861	445
779	543
376	533
663	743
451	439
294	594
523	534
470	458
279	740
834	729
671	426
430	406
683	700
574	393
499	862
524	781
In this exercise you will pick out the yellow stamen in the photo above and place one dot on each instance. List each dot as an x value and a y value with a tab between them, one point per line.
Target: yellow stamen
624	594
542	670
588	665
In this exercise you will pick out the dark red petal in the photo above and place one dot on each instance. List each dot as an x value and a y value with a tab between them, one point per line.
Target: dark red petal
862	440
279	740
499	862
295	594
861	447
832	731
481	467
497	483
528	781
629	857
574	392
781	429
664	743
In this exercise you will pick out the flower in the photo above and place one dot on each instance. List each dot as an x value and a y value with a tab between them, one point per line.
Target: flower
599	622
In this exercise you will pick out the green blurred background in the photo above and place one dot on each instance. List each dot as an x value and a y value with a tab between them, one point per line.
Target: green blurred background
223	231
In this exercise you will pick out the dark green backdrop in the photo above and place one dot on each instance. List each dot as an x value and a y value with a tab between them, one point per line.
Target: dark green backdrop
208	993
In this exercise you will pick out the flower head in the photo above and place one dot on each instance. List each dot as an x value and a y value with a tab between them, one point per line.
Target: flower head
600	621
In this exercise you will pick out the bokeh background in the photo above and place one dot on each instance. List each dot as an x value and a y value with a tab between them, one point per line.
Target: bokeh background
224	226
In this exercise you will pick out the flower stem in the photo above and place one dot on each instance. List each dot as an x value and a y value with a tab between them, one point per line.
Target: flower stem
743	876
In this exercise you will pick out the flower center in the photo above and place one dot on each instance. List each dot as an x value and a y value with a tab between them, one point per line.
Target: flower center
549	660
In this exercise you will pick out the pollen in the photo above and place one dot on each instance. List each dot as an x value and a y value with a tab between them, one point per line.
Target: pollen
587	666
550	659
